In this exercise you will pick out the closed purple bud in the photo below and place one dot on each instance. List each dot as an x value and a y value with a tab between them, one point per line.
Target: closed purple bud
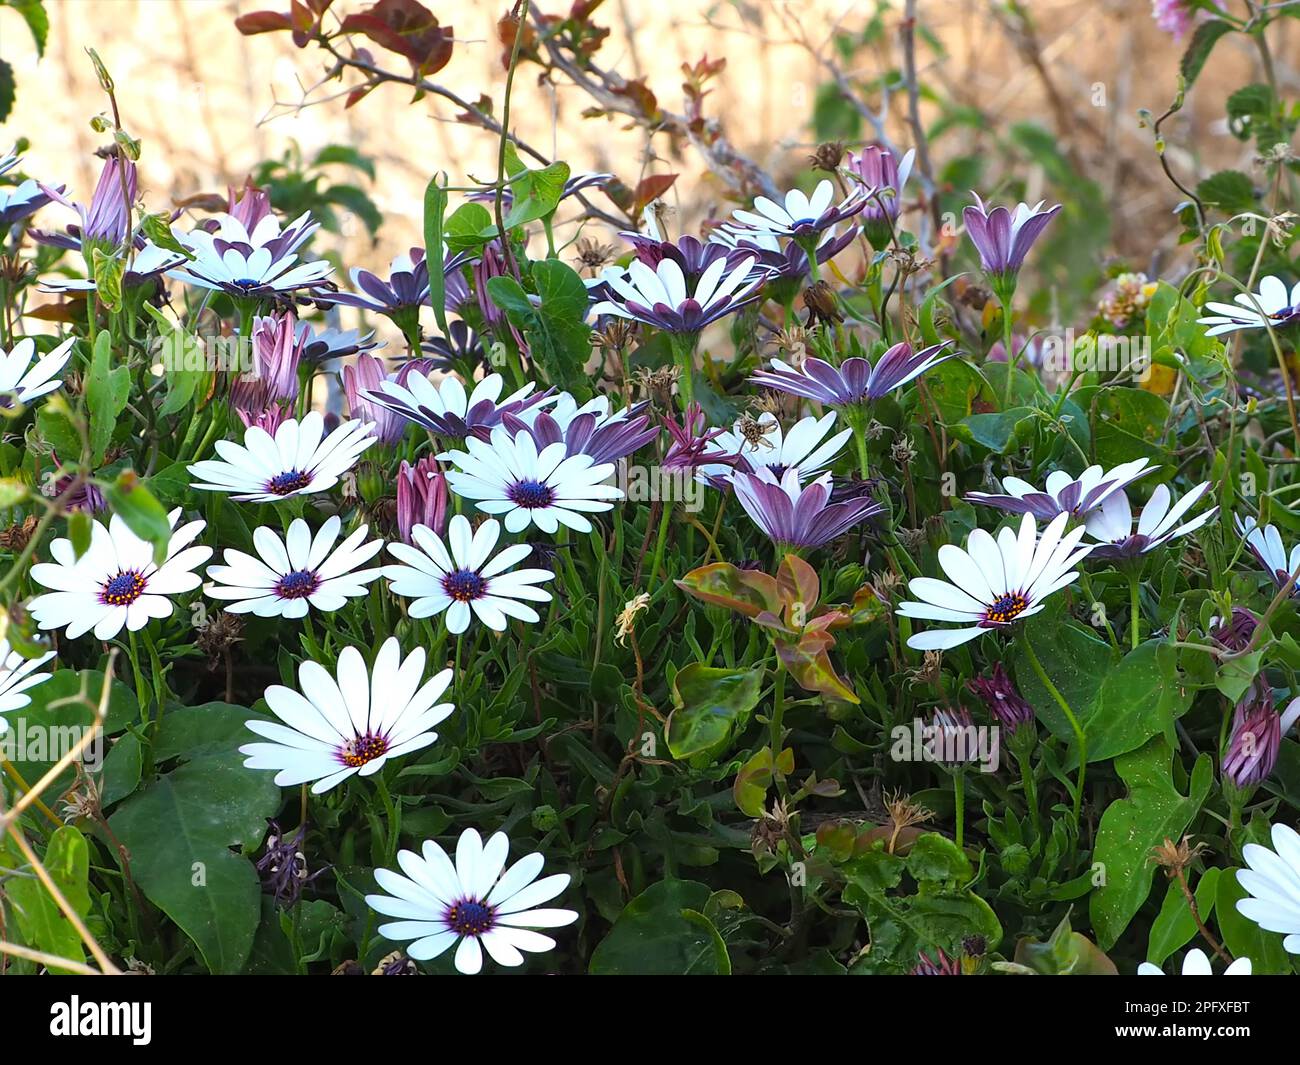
421	497
1237	631
1004	701
1256	739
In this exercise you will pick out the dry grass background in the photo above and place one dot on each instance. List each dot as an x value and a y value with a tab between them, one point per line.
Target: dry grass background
209	103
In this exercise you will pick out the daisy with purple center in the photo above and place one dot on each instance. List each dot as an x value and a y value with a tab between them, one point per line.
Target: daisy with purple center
1272	306
803	217
447	410
548	488
477	902
251	266
994	583
1111	524
855	381
116	582
350	723
463	578
295	573
796	516
298	460
1075	496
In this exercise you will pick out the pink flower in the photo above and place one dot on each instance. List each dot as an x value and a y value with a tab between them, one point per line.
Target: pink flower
421	498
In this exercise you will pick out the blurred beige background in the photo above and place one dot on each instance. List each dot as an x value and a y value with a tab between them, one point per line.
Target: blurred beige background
208	103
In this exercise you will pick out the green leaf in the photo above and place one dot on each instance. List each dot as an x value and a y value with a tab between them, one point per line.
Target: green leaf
557	332
1198	51
1153	812
42	923
936	858
144	515
34	14
663	932
107	390
712	705
435	210
179	831
1229	190
1141	696
183	360
1065	953
1174	925
470	226
345	155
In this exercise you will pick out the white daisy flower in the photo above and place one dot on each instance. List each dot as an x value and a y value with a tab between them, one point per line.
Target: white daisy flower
666	299
477	901
508	476
21	381
466	578
335	728
296	461
994	583
17	675
1112	523
115	582
1273	881
1076	496
447	409
1271	305
798	215
250	265
296	572
804	448
1265	543
1195	963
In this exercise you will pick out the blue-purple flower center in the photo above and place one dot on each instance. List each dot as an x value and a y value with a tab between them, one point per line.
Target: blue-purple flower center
297	585
1006	608
284	484
464	585
531	494
469	917
122	590
362	749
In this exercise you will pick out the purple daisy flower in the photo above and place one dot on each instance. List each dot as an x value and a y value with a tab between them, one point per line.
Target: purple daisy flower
795	515
447	410
1064	494
855	380
105	220
662	298
877	169
1009	708
1003	239
407	286
591	429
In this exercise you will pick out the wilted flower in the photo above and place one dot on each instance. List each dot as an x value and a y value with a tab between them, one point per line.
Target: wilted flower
692	444
951	738
855	380
1256	738
1009	708
283	865
1236	633
1076	496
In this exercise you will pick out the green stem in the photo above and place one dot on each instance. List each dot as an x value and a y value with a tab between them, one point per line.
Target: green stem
1134	612
959	798
1008	346
1080	739
662	540
775	725
683	347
